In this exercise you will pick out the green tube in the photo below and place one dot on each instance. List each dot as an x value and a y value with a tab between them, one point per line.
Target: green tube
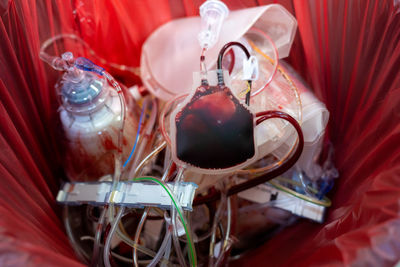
192	252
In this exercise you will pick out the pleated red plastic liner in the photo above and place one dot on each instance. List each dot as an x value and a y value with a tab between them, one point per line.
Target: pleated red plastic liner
348	51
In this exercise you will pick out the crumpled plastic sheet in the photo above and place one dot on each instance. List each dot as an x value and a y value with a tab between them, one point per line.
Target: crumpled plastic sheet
348	51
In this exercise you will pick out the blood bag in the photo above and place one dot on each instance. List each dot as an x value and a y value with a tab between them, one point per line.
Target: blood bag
212	131
214	118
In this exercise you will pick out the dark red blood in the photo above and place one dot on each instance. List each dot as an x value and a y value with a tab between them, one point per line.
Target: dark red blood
84	165
219	106
214	131
107	142
194	123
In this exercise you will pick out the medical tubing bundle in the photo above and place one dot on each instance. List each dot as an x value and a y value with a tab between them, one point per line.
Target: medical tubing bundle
116	255
216	220
118	159
45	57
143	219
166	244
125	238
147	132
107	245
81	253
96	244
151	155
227	243
137	134
191	251
175	239
163	248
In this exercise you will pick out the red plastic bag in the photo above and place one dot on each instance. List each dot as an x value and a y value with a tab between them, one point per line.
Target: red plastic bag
349	51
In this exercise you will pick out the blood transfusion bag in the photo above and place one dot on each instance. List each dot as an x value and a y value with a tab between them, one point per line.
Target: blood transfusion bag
213	131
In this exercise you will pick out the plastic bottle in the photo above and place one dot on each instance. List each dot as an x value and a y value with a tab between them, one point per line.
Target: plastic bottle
90	113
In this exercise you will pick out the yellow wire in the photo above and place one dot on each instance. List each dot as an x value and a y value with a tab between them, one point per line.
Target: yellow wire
284	74
254	171
244	92
326	202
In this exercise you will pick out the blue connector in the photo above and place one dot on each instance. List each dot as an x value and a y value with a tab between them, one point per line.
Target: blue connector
325	187
87	65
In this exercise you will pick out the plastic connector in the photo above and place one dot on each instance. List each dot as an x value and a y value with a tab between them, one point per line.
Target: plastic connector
87	65
212	13
127	194
250	69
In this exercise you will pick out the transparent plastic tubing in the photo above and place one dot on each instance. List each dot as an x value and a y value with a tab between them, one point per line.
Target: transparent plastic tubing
203	68
227	244
45	57
152	154
118	161
274	172
175	237
143	220
137	135
82	255
147	131
116	255
126	238
130	242
167	252
118	166
106	257
191	251
119	157
216	220
162	249
137	235
96	244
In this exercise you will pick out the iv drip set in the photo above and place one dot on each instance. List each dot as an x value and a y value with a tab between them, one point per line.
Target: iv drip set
148	191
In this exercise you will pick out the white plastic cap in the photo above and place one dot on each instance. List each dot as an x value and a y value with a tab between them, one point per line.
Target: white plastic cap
250	69
212	13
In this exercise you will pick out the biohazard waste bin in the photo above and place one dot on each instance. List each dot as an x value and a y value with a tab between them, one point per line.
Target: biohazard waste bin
348	51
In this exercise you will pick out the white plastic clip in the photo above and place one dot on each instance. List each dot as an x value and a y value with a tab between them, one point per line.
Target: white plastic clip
250	69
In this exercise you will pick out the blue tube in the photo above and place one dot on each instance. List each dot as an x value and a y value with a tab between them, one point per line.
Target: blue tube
137	136
87	65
